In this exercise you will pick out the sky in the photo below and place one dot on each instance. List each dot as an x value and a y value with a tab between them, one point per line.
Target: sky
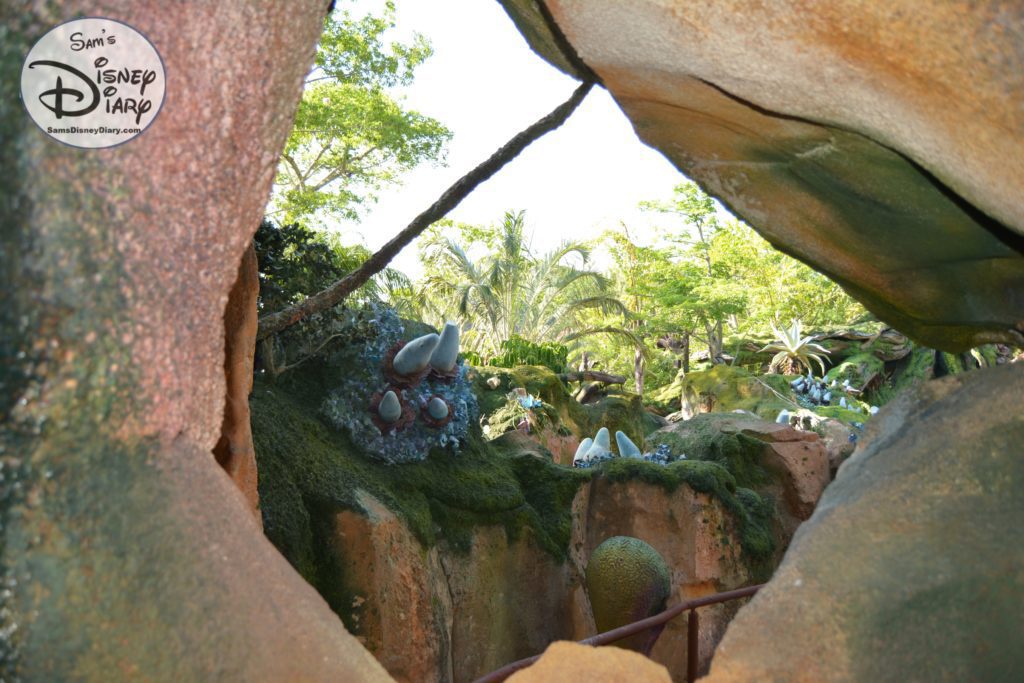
485	84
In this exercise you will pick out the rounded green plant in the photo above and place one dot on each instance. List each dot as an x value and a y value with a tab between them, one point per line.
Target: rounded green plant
627	580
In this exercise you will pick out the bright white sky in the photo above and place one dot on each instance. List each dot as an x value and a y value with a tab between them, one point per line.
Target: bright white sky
485	84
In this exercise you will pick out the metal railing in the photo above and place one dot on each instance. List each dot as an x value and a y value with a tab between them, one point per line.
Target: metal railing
692	632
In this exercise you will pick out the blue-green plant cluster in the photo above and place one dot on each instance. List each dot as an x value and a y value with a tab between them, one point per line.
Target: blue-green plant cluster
347	406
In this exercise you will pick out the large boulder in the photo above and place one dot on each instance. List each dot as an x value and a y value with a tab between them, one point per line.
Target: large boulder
789	466
858	137
127	552
912	567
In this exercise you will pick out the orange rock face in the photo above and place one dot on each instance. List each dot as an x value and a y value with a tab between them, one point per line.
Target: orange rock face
694	535
439	614
234	452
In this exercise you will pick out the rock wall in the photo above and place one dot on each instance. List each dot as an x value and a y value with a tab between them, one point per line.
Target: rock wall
861	138
438	614
911	568
127	552
786	466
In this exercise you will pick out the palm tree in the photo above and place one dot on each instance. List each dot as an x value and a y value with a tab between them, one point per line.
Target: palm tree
512	292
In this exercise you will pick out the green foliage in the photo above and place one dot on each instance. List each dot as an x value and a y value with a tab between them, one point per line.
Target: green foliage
518	351
723	389
794	353
295	262
860	369
778	287
706	280
351	137
509	292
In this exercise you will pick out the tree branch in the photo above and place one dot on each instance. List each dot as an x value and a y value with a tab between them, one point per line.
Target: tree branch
592	376
336	293
295	169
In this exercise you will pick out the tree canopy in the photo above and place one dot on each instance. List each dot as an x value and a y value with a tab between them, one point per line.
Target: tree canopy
352	134
509	291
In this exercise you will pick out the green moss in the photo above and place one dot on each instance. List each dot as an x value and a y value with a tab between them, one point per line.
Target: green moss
841	414
753	514
858	369
621	412
724	388
953	363
309	470
989	355
705	439
650	423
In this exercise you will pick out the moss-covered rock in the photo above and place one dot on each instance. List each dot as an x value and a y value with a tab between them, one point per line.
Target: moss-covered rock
843	414
308	470
560	415
501	498
779	466
862	370
725	388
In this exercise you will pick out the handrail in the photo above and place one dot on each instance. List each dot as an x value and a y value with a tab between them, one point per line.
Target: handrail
621	632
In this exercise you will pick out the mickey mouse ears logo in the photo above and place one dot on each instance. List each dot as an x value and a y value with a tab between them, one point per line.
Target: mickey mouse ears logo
93	83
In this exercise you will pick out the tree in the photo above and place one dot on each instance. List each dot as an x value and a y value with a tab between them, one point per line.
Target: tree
294	262
351	137
701	290
779	288
510	292
334	294
634	266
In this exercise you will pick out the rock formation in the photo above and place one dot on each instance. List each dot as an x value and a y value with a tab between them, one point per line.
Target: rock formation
454	566
235	451
859	137
440	614
792	466
128	552
911	567
564	661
